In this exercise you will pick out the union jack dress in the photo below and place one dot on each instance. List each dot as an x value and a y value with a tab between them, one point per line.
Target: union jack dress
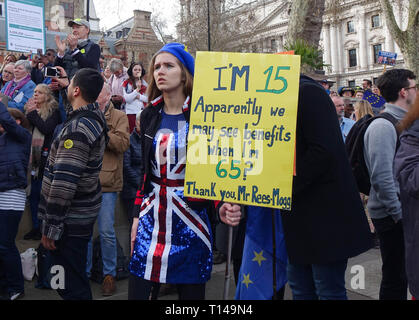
173	243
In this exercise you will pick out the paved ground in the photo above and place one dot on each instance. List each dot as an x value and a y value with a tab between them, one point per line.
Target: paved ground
369	262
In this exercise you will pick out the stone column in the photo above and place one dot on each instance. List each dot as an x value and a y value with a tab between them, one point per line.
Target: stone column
389	43
334	48
342	56
326	44
363	45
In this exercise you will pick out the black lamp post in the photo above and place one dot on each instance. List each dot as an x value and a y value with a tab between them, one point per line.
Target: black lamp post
209	26
88	10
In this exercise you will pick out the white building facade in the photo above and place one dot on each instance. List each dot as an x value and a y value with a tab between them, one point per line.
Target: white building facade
352	35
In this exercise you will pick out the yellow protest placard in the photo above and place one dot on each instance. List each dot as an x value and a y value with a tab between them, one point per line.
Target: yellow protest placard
241	141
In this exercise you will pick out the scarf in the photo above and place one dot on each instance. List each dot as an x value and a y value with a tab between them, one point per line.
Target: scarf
13	87
36	151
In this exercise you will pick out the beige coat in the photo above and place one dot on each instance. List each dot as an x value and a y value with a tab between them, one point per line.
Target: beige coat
111	175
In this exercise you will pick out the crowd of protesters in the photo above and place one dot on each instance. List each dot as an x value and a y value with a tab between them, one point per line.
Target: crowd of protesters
73	139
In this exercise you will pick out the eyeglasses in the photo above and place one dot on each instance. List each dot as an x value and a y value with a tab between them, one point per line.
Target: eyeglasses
413	87
49	54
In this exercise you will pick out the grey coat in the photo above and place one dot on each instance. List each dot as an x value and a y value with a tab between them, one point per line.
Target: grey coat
406	170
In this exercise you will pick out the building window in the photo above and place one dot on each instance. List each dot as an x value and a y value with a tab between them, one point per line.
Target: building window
147	17
118	34
125	31
273	44
351	83
1	10
374	80
376	49
352	57
68	9
375	21
350	27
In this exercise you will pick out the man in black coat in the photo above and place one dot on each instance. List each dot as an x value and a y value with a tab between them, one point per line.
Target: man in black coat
77	51
327	223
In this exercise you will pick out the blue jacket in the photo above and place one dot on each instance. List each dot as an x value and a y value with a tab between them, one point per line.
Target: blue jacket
20	97
132	170
15	148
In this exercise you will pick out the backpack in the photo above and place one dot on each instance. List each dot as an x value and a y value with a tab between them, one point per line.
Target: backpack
97	264
43	268
355	148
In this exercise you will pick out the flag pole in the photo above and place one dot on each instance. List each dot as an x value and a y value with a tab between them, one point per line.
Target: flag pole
228	263
274	296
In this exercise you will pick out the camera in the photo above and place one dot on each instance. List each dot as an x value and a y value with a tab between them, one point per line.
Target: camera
52	72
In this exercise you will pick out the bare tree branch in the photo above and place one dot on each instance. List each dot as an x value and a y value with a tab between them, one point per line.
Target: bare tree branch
392	25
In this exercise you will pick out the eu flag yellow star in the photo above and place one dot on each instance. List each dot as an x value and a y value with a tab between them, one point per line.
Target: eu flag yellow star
259	257
246	280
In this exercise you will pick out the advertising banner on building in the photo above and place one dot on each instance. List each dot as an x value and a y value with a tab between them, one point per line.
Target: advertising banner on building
25	26
241	141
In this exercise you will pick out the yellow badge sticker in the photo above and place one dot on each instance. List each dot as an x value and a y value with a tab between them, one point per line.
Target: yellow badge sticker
68	144
83	51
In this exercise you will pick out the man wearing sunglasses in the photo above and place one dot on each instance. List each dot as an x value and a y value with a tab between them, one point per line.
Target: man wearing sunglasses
39	64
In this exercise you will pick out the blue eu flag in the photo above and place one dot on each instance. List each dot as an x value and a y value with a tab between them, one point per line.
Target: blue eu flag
256	278
375	100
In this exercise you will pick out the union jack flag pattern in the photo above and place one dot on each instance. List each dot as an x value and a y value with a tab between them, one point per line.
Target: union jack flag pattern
173	243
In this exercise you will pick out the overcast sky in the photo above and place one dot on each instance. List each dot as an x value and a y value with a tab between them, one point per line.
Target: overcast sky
112	12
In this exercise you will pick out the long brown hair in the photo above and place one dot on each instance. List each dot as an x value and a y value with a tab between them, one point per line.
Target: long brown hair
411	116
153	92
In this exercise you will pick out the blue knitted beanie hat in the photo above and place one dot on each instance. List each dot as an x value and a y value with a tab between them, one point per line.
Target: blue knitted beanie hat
181	52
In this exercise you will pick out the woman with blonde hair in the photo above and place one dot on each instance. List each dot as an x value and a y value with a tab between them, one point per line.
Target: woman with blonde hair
362	109
43	113
406	171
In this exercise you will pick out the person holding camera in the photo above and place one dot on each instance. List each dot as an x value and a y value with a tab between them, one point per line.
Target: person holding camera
77	51
40	64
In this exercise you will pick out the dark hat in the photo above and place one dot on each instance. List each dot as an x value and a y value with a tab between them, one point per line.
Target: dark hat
181	52
17	114
359	89
79	22
343	89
